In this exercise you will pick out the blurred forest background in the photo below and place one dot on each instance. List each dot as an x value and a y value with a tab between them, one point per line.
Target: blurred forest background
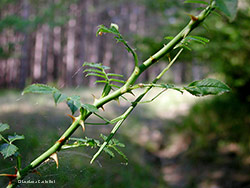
194	142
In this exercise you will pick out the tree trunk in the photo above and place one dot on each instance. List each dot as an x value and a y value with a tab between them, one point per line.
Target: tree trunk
24	62
45	49
70	59
81	42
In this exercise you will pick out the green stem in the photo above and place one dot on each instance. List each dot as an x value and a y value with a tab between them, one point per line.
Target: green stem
99	103
131	108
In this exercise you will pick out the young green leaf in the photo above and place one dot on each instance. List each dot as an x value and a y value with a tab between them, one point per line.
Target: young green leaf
120	153
59	97
207	86
94	70
119	38
113	74
106	90
101	81
3	127
97	75
115	26
228	7
103	29
74	103
90	107
15	137
112	85
103	137
199	39
95	65
118	143
8	150
39	88
109	152
168	37
116	80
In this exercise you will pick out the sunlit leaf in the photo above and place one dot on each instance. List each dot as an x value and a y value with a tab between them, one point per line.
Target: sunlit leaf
207	86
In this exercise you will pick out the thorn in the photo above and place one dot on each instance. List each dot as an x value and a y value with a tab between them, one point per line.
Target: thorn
61	140
153	59
131	93
118	101
95	99
194	18
169	57
72	117
55	158
102	108
36	172
82	124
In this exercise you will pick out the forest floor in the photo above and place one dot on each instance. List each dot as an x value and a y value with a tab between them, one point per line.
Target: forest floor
171	142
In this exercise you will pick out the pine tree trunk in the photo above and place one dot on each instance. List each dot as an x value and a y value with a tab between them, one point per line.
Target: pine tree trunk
24	61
